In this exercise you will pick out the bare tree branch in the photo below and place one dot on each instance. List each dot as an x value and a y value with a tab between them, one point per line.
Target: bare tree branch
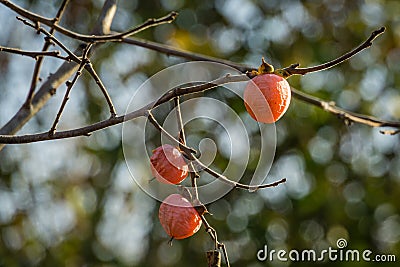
342	113
180	91
188	152
33	54
48	89
87	130
169	50
89	38
293	69
50	38
88	65
69	88
39	62
182	139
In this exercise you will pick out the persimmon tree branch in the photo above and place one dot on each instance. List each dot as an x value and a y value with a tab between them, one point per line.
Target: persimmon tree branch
51	39
33	54
39	62
49	87
189	153
87	130
88	65
173	51
347	116
89	38
70	84
194	175
294	70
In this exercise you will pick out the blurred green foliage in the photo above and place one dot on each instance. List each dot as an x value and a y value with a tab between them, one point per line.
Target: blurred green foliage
73	202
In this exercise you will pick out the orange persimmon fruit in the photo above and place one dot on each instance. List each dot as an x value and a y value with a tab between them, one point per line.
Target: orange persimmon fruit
267	97
168	165
178	217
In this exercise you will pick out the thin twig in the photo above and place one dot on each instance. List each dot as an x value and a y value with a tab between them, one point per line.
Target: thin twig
89	38
188	151
342	113
213	234
49	37
183	147
173	51
49	87
293	69
88	65
39	62
33	54
182	139
225	253
69	88
92	72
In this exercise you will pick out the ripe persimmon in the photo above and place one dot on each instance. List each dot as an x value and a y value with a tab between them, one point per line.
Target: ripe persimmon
168	165
267	97
178	217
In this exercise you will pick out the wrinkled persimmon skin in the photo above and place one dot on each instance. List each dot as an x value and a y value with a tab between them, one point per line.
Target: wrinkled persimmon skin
267	97
178	217
168	165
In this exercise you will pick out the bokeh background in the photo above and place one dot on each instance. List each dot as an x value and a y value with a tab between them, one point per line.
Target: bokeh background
73	202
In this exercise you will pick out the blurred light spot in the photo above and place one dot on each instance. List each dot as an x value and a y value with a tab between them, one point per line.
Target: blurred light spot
7	206
248	205
52	220
208	151
277	230
383	144
373	82
354	192
125	224
12	237
313	82
313	30
335	5
311	230
172	5
85	198
226	41
387	105
336	173
389	230
373	14
393	57
220	209
236	222
320	149
241	13
298	183
377	165
383	211
334	80
186	18
296	15
349	100
277	30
